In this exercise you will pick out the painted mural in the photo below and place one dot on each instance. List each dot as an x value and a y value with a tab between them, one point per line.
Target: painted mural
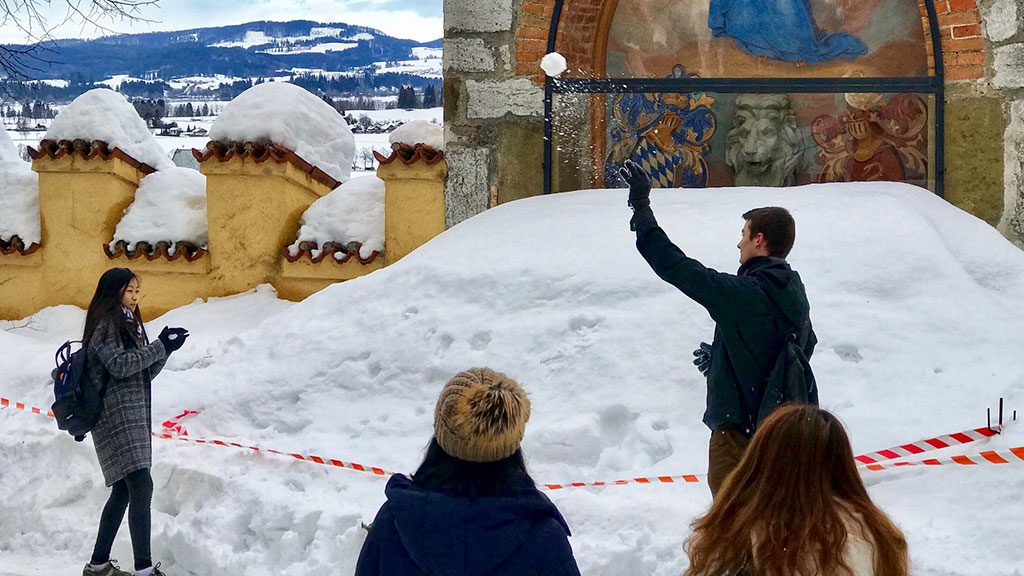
873	140
667	134
690	140
766	38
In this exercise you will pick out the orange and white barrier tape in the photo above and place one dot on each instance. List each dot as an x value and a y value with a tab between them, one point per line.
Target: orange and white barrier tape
1008	456
681	479
927	445
867	461
5	402
314	459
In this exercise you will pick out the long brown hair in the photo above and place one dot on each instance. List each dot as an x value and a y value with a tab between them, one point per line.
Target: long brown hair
782	511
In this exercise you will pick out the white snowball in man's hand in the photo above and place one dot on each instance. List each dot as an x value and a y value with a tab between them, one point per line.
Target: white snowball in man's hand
553	64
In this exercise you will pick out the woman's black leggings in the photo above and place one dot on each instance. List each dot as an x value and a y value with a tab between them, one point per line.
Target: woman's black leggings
134	492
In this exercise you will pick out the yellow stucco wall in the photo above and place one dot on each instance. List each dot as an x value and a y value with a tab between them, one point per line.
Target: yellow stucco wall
413	205
253	212
256	208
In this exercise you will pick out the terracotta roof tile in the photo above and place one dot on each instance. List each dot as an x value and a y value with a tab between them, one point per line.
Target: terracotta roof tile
190	252
15	245
410	154
261	153
350	251
85	149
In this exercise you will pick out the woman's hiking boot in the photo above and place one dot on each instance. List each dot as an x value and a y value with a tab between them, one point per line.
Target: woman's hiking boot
110	568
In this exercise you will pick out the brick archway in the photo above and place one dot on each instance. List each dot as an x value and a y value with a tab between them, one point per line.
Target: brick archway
580	38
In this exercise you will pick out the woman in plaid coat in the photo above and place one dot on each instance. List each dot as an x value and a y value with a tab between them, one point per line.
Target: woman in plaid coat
121	355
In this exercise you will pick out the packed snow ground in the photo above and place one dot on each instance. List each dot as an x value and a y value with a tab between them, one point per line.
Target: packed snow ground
917	305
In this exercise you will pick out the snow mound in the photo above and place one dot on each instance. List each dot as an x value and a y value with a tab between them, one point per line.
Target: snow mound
8	149
102	114
170	205
917	306
19	194
351	212
292	117
419	132
553	64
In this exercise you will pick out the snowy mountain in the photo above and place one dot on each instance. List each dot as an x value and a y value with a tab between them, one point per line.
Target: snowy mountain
243	51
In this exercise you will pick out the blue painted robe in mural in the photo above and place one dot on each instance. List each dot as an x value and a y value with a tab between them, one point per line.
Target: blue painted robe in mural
780	29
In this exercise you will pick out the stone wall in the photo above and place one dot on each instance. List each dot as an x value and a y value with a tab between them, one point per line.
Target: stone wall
984	131
1004	28
494	99
493	116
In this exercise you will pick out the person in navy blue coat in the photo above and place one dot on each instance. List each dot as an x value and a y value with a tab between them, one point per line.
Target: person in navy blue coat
471	509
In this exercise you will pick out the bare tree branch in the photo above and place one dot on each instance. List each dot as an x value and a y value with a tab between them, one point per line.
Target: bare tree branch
28	324
23	61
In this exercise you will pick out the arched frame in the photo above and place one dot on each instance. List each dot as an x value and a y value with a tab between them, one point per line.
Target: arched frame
931	85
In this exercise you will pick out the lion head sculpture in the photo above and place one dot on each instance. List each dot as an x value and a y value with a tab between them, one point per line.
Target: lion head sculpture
764	142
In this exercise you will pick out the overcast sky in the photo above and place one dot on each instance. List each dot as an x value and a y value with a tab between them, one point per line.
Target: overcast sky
413	19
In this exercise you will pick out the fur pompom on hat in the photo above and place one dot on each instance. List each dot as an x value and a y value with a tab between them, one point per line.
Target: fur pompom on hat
481	416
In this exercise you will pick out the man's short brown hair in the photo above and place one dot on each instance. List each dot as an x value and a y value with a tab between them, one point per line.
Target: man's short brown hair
778	227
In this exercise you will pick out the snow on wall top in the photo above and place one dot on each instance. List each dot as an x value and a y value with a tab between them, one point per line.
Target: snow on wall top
19	194
352	212
102	114
419	132
170	205
292	117
8	149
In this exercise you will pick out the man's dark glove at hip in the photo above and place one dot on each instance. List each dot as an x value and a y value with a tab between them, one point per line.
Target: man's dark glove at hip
702	358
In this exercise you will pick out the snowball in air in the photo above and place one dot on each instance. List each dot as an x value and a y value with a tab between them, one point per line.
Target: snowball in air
553	64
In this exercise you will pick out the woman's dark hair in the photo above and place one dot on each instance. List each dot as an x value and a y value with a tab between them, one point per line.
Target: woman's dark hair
464	479
106	302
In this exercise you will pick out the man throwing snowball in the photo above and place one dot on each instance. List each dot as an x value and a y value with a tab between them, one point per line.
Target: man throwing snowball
754	311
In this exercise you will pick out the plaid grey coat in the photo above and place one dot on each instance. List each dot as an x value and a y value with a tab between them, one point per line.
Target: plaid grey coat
122	434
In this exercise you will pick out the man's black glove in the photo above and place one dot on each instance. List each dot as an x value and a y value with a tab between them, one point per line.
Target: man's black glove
703	358
639	184
173	338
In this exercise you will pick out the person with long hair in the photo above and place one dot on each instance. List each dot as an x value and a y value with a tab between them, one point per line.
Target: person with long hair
796	506
121	355
471	508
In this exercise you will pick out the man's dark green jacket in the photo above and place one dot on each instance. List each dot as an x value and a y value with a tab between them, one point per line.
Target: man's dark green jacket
753	310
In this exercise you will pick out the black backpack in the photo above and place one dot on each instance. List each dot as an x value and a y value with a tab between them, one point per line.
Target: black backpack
791	378
78	399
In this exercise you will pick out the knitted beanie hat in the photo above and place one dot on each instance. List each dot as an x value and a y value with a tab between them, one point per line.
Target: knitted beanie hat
481	416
